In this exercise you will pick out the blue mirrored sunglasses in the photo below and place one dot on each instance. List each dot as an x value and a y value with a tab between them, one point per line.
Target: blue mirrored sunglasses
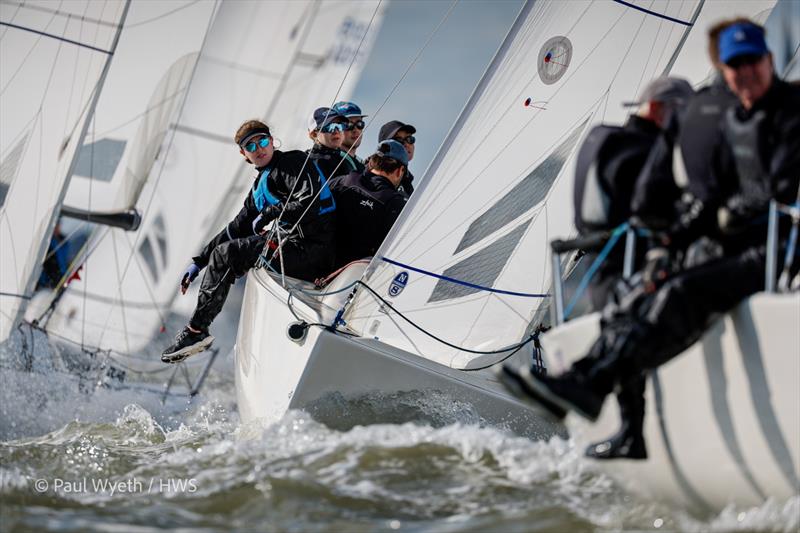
252	146
330	128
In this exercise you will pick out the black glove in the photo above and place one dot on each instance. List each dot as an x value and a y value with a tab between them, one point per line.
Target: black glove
269	214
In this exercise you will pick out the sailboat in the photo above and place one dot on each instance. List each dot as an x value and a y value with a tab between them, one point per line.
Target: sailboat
462	281
55	62
160	143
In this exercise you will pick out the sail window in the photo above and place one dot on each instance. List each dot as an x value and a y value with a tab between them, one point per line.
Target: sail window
481	268
8	168
146	251
99	160
528	193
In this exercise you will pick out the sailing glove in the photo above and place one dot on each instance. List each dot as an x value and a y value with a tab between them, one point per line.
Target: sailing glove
189	276
265	217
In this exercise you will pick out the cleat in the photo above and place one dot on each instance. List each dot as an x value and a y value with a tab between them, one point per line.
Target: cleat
186	343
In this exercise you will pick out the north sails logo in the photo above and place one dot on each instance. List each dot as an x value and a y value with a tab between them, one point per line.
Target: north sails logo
367	203
398	283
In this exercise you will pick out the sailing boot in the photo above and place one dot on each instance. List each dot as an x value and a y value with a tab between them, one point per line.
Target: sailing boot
187	342
628	442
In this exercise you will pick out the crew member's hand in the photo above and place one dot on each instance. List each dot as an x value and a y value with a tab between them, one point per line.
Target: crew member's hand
656	268
258	224
189	276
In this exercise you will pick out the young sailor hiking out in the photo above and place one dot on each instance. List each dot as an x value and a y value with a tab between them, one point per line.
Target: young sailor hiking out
404	134
757	160
353	132
369	203
287	187
327	128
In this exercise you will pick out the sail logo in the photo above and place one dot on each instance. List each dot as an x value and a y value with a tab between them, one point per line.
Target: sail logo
398	284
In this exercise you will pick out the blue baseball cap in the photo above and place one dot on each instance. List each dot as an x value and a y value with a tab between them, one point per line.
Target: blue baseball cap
741	39
348	109
322	116
393	150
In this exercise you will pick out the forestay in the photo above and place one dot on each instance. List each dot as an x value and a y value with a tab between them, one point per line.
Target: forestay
53	59
500	187
131	278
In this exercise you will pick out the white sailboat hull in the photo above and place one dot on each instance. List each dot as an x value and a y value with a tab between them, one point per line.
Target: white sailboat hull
723	418
274	373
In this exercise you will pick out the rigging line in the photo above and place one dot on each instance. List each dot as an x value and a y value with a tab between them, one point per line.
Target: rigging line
59	13
149	288
330	108
72	83
126	336
56	37
64	241
405	73
146	210
654	13
383	301
624	58
684	37
27	55
20	296
14	16
462	282
163	15
649	56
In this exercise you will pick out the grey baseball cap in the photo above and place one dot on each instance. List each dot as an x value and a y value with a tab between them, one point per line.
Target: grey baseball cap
664	89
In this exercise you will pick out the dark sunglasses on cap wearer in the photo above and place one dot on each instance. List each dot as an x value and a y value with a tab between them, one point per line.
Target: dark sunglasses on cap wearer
252	146
410	139
333	127
359	125
742	60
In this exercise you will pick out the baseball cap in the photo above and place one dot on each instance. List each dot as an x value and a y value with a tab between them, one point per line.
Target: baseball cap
664	89
322	116
391	128
741	39
348	109
393	150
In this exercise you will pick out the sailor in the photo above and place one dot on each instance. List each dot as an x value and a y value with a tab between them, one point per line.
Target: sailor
404	134
369	202
756	160
609	163
353	132
285	188
326	127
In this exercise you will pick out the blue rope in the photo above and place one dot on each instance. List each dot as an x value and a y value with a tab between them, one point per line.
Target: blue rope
587	278
464	283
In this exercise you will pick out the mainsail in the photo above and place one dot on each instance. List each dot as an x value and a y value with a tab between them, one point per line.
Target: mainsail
131	278
54	59
468	260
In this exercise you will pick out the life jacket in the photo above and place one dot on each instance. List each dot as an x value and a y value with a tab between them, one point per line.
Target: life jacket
745	139
261	193
326	202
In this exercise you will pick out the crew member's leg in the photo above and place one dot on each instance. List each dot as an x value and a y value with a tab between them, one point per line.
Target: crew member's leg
675	317
229	260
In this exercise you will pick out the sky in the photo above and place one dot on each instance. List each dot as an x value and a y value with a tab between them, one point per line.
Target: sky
435	90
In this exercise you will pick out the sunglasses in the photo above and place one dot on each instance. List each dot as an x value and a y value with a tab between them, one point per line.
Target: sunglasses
252	146
333	127
408	140
358	125
747	59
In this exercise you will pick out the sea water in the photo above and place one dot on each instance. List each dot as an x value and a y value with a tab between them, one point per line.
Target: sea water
121	460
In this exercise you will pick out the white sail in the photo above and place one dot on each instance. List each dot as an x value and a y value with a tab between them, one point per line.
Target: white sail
131	278
53	59
500	188
143	93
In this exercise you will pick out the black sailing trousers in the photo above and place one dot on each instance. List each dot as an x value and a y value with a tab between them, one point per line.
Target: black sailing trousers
232	259
670	320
